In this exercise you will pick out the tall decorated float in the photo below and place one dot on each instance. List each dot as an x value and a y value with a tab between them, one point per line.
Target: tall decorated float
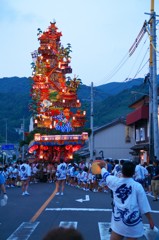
58	120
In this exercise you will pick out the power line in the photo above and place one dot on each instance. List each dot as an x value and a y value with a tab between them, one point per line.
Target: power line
117	68
132	49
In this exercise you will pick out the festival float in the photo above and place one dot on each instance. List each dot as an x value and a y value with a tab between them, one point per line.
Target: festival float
56	110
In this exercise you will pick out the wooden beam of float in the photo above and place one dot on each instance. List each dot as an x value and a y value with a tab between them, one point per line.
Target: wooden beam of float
75	137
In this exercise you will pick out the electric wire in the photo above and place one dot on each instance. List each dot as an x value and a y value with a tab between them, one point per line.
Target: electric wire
125	59
117	68
128	80
127	56
140	69
136	59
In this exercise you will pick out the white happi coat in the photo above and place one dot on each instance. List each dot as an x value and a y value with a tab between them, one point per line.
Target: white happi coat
130	203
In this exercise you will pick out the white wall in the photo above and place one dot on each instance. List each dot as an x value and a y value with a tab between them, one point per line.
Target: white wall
112	142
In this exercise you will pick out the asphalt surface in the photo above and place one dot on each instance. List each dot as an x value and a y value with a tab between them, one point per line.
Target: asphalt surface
31	217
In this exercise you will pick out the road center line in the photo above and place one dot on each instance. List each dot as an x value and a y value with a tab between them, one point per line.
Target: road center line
41	209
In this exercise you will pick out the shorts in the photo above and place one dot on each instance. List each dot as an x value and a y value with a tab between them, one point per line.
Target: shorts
61	179
24	179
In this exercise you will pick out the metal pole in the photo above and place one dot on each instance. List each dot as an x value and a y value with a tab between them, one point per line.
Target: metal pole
151	130
23	139
91	121
6	132
154	81
151	125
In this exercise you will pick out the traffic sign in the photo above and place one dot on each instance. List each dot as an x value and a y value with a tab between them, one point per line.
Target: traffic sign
8	147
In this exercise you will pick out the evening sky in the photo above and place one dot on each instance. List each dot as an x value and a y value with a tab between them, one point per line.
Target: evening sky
100	33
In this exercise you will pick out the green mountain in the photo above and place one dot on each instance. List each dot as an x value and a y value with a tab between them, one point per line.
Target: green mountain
110	101
114	88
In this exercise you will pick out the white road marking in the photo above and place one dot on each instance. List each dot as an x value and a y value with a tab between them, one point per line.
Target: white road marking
84	200
105	234
104	230
24	231
86	209
79	209
68	224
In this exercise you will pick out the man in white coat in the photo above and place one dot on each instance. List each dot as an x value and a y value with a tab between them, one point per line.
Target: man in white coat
129	203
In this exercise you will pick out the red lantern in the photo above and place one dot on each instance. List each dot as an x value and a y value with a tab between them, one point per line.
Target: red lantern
76	148
45	148
68	147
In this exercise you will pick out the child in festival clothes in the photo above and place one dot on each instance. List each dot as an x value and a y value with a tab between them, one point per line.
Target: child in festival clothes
79	178
61	177
84	178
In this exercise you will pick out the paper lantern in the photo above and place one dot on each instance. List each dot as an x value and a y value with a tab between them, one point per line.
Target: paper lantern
45	148
96	169
67	147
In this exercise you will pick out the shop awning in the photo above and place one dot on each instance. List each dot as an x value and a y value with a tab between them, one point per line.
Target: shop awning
137	115
140	147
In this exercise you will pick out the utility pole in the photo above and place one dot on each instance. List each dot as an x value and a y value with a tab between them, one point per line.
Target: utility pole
151	125
153	88
91	121
153	79
6	132
151	129
23	132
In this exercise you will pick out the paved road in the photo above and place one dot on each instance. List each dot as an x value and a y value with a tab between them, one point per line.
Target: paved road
31	217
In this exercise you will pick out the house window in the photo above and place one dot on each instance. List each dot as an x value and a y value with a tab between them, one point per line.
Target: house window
137	135
140	134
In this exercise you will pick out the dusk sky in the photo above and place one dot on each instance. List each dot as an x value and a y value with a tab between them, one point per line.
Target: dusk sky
100	33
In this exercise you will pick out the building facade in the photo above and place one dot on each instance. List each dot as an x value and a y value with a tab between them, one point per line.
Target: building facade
113	140
138	120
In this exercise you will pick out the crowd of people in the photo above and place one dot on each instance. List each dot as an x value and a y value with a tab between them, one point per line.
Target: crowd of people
76	175
128	183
